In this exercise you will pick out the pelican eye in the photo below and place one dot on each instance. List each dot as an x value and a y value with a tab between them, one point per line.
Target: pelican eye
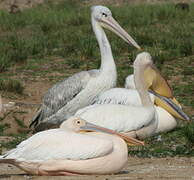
104	14
78	122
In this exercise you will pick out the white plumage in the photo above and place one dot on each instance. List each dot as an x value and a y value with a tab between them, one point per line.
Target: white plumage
166	121
80	90
126	118
121	96
129	82
58	144
64	151
121	118
130	96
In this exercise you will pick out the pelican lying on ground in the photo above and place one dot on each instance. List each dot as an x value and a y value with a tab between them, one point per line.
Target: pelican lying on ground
139	121
130	96
65	151
80	90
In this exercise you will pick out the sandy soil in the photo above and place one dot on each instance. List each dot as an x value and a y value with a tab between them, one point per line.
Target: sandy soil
137	168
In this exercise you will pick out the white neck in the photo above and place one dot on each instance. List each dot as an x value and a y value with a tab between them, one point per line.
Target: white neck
107	61
141	86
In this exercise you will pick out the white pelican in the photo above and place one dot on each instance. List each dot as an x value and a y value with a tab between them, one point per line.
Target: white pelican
140	121
64	151
166	121
80	90
130	96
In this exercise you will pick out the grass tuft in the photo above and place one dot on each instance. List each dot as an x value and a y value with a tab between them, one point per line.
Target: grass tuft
11	85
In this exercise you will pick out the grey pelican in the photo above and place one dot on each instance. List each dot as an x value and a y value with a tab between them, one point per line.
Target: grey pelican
80	90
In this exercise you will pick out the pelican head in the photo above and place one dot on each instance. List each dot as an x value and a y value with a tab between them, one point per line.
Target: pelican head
103	16
77	124
158	86
143	59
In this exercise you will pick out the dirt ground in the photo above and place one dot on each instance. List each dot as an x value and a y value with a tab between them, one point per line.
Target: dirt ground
25	107
178	168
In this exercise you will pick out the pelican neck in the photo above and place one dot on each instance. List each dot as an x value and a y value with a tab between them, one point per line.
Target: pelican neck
107	61
141	85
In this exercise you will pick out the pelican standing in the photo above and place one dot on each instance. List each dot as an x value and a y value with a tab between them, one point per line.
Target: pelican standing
166	107
139	121
64	151
80	90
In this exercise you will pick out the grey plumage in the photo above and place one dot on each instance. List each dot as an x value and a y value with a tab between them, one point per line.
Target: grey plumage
80	90
56	105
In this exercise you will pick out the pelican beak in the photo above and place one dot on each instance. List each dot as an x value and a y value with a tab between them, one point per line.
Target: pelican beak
156	82
163	93
111	24
171	106
129	140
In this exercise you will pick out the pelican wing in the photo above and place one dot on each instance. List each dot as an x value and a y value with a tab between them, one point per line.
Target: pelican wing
121	96
56	144
66	90
60	94
118	117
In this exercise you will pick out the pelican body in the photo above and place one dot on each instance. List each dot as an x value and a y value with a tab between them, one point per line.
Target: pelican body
66	151
130	97
165	104
140	121
80	90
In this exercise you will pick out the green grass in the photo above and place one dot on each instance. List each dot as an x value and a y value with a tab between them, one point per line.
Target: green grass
32	39
15	141
11	85
3	127
179	142
56	29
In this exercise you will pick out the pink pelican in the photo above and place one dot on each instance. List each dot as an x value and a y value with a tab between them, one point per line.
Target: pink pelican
66	151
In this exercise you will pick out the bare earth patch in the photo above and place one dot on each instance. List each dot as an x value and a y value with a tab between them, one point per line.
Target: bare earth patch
25	107
137	168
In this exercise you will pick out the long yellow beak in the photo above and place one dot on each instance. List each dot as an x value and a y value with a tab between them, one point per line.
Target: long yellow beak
163	93
129	140
156	82
111	24
171	106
